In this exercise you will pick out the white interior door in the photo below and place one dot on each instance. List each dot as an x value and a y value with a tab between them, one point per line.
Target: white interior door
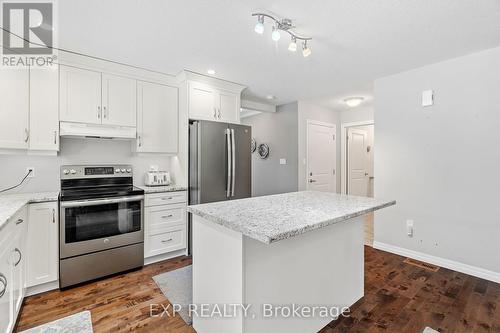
357	162
321	157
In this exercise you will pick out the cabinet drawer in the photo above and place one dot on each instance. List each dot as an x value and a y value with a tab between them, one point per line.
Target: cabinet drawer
158	218
173	240
158	199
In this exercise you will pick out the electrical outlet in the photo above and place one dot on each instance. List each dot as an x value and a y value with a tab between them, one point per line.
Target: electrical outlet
32	173
409	228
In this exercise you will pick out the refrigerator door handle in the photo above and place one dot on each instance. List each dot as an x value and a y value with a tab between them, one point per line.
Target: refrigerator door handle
229	150
233	158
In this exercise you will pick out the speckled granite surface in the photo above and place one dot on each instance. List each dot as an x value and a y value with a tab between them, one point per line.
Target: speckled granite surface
272	218
11	203
160	189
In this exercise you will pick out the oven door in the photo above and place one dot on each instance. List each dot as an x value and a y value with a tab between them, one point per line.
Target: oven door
94	225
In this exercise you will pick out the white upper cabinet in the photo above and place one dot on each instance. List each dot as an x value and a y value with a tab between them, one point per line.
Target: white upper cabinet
42	244
229	106
202	98
44	109
157	118
208	102
79	95
119	100
14	108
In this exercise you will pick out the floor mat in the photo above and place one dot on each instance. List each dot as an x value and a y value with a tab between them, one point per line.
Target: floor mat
80	322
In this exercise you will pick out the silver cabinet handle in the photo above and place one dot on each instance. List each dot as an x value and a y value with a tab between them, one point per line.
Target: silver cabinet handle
233	155
20	256
167	216
53	215
139	140
228	187
167	240
55	137
169	198
312	181
19	221
105	113
27	135
215	112
219	113
3	282
98	112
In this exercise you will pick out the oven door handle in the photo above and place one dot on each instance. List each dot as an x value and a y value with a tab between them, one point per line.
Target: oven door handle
82	203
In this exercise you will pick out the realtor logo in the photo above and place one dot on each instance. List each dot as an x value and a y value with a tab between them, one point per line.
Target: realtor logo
27	34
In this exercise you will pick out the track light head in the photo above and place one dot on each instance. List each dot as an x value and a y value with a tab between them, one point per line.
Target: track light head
276	34
292	47
259	27
306	51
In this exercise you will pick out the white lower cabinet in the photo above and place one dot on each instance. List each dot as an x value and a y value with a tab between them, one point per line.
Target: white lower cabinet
28	257
165	223
12	269
42	244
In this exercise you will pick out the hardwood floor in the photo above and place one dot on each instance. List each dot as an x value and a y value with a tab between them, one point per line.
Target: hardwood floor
398	298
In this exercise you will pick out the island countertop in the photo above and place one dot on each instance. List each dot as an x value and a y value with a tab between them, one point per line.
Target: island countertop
276	217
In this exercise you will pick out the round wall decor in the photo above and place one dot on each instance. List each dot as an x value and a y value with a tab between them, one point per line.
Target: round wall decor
253	146
263	151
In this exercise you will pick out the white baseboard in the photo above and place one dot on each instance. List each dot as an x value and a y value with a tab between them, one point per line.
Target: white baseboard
446	263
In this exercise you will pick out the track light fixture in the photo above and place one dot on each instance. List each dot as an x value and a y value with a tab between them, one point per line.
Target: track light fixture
286	26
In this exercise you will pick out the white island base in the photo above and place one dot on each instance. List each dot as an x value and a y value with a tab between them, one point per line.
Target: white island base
322	267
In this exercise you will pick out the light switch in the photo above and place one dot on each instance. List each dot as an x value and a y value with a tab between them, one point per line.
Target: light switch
282	160
427	98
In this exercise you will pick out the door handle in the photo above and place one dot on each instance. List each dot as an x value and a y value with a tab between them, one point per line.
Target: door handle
312	181
366	173
233	158
228	140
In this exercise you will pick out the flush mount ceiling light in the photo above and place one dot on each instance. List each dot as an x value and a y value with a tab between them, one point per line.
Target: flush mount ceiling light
286	26
211	71
353	101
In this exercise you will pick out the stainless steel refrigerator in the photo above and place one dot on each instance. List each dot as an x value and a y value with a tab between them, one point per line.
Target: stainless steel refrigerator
220	166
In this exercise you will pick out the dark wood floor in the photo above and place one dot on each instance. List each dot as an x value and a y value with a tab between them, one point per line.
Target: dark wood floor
398	298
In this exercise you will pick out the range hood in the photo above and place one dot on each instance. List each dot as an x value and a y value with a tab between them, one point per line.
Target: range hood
68	129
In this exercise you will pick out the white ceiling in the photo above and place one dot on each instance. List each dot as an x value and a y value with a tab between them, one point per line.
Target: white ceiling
354	41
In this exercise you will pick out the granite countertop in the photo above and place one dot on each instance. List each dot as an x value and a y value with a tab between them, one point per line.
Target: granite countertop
160	189
276	217
11	203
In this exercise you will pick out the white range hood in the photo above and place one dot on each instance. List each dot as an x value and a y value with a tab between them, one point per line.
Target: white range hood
69	129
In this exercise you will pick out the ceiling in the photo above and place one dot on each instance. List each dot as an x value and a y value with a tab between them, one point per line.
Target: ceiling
354	41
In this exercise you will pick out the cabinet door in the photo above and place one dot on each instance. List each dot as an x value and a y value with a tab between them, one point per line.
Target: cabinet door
119	100
6	303
79	95
44	109
42	243
201	101
229	107
157	121
14	108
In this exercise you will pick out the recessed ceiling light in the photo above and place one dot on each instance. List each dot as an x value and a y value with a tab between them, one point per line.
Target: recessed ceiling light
211	71
270	97
353	101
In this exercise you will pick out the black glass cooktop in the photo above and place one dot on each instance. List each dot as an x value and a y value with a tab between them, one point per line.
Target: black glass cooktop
85	189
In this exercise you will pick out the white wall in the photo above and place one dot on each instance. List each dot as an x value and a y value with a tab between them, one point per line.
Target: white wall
308	110
279	130
441	163
74	151
360	113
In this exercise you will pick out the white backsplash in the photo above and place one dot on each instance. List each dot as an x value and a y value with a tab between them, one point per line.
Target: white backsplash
75	151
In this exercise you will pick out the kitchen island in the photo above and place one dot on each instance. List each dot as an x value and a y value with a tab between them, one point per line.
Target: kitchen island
281	263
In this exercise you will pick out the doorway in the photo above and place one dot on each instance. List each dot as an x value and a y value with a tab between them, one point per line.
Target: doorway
357	165
321	156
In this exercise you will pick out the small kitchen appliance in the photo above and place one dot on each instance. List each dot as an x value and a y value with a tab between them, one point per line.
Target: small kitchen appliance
157	178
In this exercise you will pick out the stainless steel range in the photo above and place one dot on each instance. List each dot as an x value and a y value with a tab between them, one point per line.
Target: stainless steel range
101	222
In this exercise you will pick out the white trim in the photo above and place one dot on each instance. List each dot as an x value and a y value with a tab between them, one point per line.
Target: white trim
320	123
343	142
446	263
41	288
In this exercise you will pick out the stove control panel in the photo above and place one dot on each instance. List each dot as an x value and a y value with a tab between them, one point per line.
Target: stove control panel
95	171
